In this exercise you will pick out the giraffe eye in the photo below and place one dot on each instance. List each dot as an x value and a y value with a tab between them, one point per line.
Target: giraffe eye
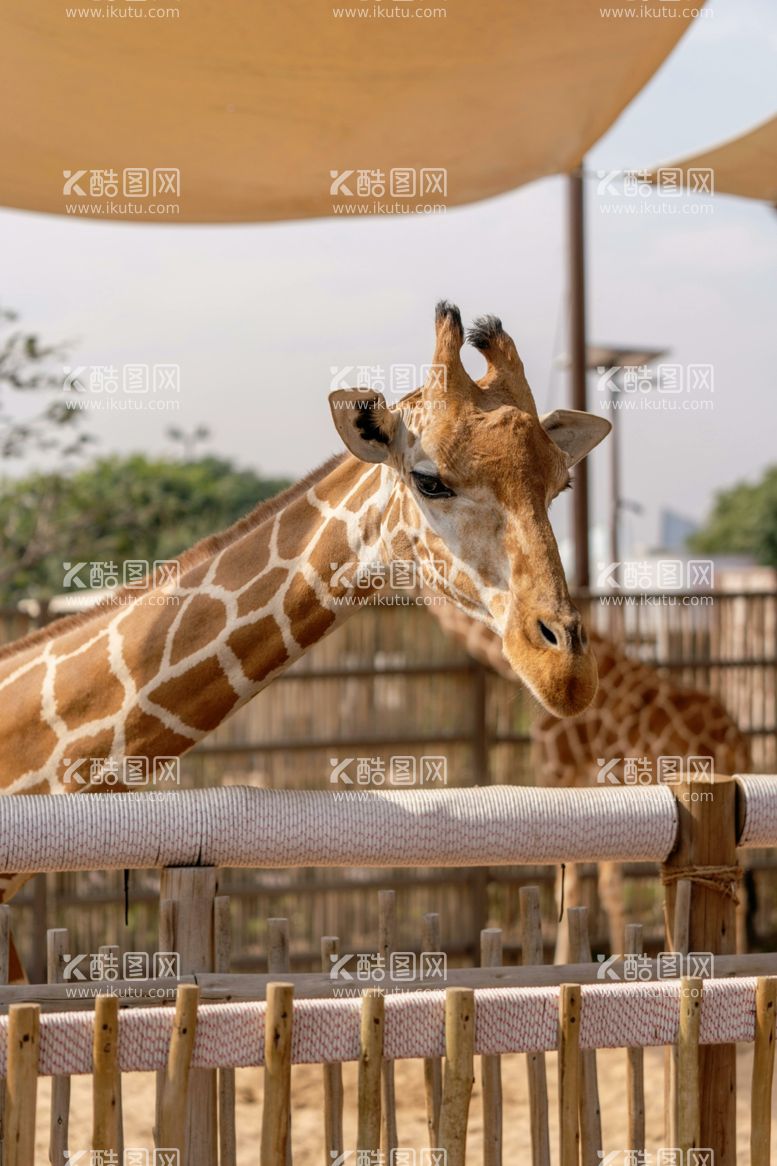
431	486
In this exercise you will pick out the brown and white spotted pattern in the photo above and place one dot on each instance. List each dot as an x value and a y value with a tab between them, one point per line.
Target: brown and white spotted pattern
459	474
636	713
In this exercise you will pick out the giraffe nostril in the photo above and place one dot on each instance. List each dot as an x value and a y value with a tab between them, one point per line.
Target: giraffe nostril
547	634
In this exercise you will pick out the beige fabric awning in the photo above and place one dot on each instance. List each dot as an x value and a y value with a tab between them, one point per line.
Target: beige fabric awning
256	104
746	166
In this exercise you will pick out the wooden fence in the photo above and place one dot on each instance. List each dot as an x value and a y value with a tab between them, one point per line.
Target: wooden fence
271	1020
449	1084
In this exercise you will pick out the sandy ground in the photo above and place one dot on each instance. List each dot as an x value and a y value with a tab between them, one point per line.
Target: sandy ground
307	1117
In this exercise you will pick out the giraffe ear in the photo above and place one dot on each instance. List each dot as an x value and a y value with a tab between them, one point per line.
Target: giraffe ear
364	422
574	432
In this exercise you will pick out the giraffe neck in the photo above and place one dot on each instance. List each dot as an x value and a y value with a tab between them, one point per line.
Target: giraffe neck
151	677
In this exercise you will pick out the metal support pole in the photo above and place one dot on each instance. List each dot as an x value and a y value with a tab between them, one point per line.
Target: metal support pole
615	486
577	354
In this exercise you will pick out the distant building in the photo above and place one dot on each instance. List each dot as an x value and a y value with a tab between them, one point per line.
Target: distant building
675	530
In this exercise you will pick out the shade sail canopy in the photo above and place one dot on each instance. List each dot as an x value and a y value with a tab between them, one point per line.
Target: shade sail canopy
746	166
256	104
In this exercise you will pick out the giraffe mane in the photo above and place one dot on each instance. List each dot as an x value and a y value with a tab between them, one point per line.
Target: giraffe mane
210	545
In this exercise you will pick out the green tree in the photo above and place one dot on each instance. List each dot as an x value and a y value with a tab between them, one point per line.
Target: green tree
27	367
113	509
743	521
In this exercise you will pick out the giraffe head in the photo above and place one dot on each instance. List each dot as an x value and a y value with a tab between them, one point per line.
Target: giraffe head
472	471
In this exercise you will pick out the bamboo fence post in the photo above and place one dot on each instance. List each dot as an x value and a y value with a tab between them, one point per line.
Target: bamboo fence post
5	952
458	1074
37	964
186	928
370	1064
387	907
763	1071
481	764
569	1074
177	1075
5	942
491	1067
682	917
531	955
742	913
166	924
276	1111
278	963
166	943
679	943
707	839
21	1090
112	953
57	945
333	1074
688	1069
105	1070
277	945
222	958
590	1112
432	1065
635	1061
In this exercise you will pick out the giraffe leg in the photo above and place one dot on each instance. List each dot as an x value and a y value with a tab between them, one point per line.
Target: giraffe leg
611	897
568	894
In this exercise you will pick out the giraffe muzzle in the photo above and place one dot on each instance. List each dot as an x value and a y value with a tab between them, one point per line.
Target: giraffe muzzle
552	656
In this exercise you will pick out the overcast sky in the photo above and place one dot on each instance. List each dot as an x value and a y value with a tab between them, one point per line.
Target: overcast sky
257	315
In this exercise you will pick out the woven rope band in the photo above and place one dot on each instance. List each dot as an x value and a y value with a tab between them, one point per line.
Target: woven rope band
759	798
238	826
507	1020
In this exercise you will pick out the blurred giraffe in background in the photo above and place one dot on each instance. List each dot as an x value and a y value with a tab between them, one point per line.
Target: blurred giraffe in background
636	712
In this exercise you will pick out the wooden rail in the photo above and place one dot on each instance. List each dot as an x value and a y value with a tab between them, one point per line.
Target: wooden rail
237	987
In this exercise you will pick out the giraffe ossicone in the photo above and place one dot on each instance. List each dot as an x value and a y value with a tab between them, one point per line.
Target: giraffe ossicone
457	478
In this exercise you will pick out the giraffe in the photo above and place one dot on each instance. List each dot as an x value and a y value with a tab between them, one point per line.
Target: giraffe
636	712
456	478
